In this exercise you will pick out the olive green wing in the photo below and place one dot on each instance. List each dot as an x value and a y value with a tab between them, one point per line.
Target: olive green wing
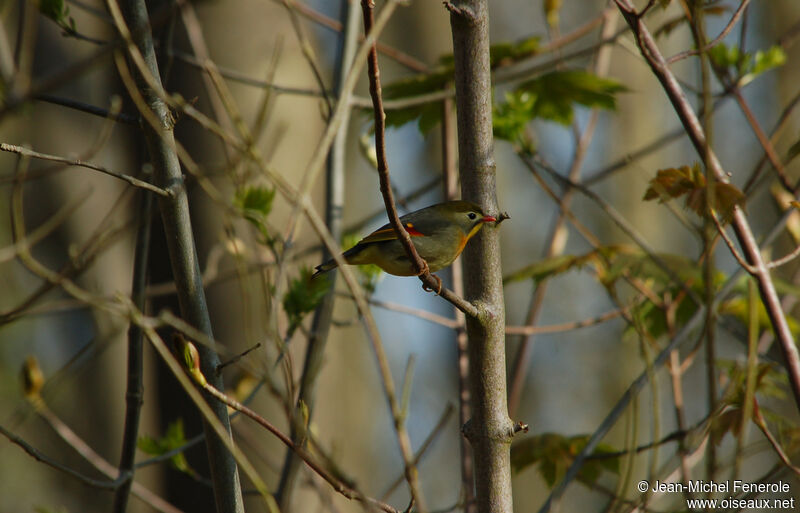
386	232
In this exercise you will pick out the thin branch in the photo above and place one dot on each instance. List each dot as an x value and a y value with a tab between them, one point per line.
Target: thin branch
74	162
334	206
98	462
567	326
784	259
335	482
758	418
39	456
728	242
389	51
420	266
744	234
426	444
725	31
134	392
89	109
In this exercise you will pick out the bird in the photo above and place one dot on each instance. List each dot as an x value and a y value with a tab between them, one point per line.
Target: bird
439	232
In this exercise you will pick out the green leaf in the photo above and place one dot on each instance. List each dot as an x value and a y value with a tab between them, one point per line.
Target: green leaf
794	151
303	297
430	114
255	199
173	439
511	117
56	10
725	56
255	204
556	92
554	453
503	54
548	267
746	66
737	307
765	61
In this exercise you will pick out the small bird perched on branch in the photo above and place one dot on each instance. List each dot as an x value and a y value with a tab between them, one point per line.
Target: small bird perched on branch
439	233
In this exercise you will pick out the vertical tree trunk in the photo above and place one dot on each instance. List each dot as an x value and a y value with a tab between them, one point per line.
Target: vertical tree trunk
183	254
490	430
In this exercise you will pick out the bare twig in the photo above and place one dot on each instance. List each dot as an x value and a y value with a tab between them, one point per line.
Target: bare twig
367	8
74	162
391	52
419	265
334	206
134	393
758	418
426	444
725	31
567	326
39	456
337	484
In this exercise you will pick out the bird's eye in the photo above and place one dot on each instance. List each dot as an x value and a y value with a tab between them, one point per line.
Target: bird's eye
472	215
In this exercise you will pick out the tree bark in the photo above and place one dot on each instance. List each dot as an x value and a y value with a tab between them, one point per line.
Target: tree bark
490	430
180	239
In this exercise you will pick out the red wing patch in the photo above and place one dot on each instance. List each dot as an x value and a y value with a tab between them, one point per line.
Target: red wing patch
388	234
413	231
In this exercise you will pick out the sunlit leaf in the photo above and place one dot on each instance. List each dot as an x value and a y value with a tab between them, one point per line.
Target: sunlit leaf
784	200
556	93
746	66
689	181
511	117
737	307
255	204
430	114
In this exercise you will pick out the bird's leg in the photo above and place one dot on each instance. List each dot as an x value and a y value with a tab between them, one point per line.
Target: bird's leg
426	269
438	285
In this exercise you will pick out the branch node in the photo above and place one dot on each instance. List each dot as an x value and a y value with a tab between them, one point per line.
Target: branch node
465	12
519	427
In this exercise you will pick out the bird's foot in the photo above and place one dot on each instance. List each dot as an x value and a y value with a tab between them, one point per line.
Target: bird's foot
438	285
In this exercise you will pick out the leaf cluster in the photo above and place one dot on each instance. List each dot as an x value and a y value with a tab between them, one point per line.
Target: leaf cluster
172	439
554	453
303	297
430	114
58	11
690	181
254	203
746	66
